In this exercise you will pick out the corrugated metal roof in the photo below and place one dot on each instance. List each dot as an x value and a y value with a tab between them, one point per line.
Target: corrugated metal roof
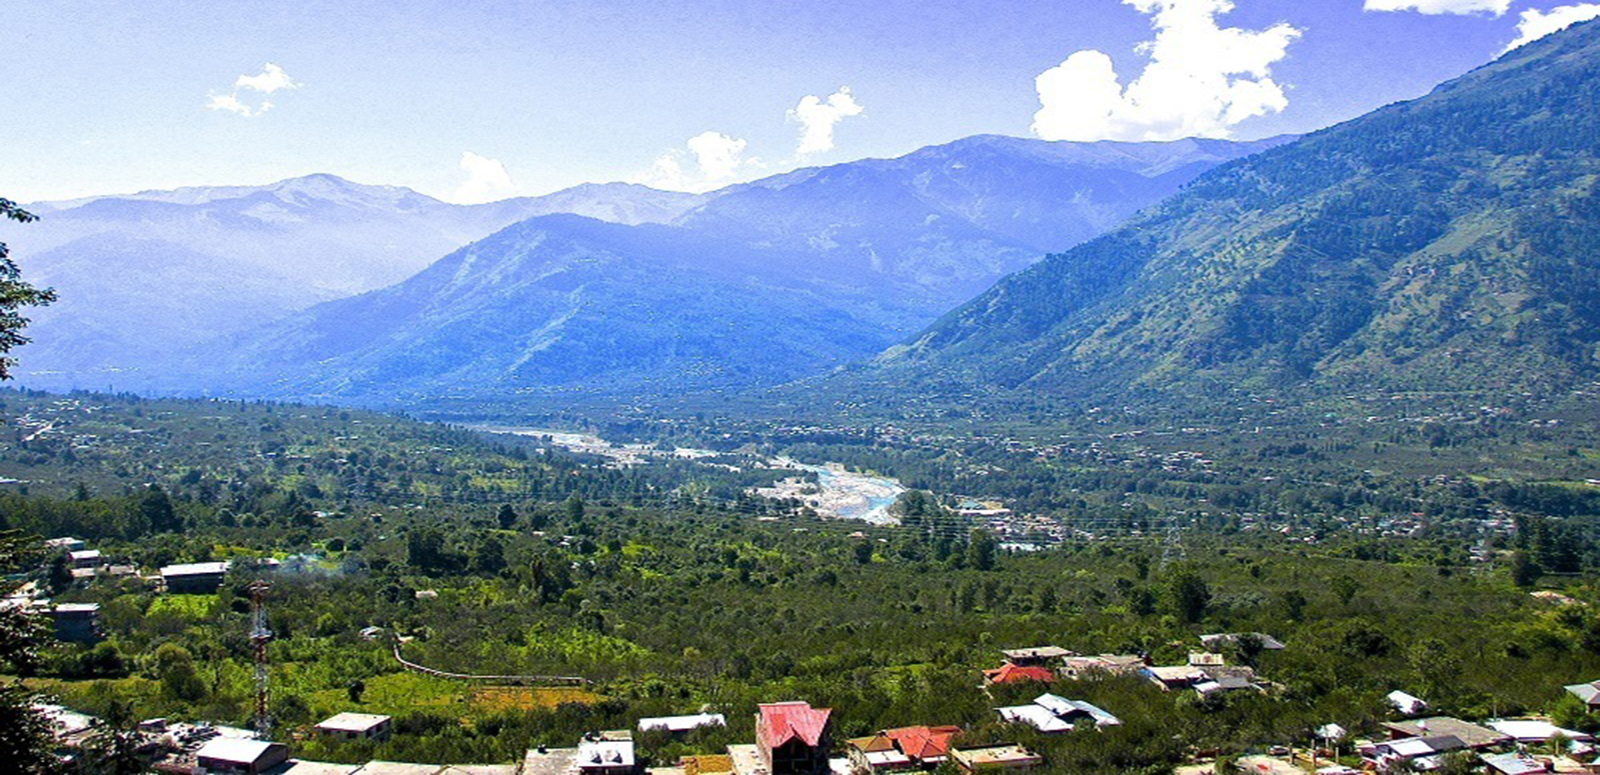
783	721
1012	673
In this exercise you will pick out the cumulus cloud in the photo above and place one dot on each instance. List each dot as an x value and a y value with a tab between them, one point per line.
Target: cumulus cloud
1535	24
1201	80
233	104
271	79
818	117
708	160
487	180
1438	7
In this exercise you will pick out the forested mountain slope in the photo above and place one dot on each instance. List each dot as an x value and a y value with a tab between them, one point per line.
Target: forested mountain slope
1449	243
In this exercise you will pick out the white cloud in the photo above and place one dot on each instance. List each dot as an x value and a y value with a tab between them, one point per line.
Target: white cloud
717	159
487	180
817	118
233	104
1201	80
1536	24
1437	7
272	78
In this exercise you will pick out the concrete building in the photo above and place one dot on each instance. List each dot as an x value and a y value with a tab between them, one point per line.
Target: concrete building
64	544
75	622
197	578
236	756
607	753
84	558
1013	758
1045	656
357	726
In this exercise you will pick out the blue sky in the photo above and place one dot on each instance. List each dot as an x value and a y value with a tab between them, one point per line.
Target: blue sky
105	96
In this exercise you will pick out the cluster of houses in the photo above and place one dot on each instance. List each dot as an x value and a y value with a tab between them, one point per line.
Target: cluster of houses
792	738
80	622
1206	672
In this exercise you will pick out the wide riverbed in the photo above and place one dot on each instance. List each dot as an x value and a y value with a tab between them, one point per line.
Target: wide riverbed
838	493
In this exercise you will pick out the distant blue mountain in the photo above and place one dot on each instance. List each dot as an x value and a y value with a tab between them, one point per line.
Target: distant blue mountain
143	276
760	283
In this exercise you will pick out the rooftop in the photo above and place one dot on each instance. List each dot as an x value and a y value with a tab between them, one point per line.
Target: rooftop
1219	639
682	723
1514	763
1036	652
353	722
234	749
1013	673
1473	735
1529	730
976	758
781	721
551	761
194	569
397	768
605	753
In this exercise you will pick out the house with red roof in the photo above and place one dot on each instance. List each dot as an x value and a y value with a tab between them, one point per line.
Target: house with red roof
903	749
793	738
1011	672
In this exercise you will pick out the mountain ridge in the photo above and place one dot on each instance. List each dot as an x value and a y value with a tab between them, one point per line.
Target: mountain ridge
801	275
1433	244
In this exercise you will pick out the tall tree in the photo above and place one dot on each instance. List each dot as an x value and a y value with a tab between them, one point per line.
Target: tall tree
25	734
1188	595
15	293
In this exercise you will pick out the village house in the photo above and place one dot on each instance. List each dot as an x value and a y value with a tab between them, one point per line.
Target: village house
1010	673
1012	758
1538	731
1077	667
1471	735
74	622
1052	714
239	756
1589	693
197	578
1514	764
1406	704
84	558
792	738
357	726
906	748
1222	640
1419	753
606	753
64	544
1038	656
1208	677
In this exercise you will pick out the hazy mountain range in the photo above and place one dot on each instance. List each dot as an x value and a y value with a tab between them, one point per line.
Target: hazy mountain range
214	290
143	276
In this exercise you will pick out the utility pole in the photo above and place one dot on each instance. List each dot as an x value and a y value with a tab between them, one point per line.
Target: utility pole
259	635
1172	550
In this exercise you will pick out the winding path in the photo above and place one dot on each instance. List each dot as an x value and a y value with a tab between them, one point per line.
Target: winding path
512	680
